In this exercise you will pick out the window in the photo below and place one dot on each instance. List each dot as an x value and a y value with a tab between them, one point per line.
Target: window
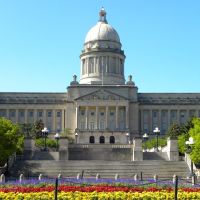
92	125
21	113
30	114
102	125
82	112
92	140
92	113
182	115
40	114
12	113
58	114
112	139
82	125
2	113
102	139
102	113
154	114
49	113
111	113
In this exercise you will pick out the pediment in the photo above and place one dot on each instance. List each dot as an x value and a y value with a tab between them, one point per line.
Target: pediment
102	95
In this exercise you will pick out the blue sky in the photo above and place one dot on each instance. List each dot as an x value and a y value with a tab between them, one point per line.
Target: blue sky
41	40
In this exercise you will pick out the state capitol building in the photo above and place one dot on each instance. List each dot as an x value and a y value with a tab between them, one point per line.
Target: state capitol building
102	107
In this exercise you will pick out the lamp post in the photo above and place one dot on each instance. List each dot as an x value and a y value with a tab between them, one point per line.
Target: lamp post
45	132
189	144
127	137
145	138
76	138
57	137
157	132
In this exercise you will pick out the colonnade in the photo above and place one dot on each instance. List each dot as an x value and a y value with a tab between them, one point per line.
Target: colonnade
101	117
55	118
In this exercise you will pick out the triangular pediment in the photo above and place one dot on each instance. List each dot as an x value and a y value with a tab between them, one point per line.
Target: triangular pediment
102	95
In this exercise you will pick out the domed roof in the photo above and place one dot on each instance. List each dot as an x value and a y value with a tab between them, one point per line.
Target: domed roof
102	30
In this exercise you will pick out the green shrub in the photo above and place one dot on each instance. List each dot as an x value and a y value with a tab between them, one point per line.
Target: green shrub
49	143
151	143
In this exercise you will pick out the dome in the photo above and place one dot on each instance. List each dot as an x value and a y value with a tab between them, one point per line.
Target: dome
102	60
102	30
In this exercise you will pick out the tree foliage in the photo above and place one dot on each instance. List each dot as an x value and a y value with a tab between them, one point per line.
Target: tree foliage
67	133
195	133
39	142
190	129
11	139
37	128
152	143
32	130
176	130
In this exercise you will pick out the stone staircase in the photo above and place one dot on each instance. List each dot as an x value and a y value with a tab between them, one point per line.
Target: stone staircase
155	156
106	169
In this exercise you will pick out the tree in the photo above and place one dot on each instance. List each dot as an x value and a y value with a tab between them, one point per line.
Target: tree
32	130
174	130
68	134
191	129
27	129
195	133
37	128
11	139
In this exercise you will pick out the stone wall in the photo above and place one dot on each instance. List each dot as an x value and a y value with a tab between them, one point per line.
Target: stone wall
100	152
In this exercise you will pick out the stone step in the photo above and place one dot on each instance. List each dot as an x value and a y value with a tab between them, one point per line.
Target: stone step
105	168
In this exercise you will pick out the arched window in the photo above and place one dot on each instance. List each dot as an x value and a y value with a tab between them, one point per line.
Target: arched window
112	139
92	140
102	139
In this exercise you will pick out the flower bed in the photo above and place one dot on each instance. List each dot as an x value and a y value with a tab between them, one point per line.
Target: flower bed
92	189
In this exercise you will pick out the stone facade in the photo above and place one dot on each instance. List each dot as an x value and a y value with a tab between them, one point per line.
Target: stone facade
102	108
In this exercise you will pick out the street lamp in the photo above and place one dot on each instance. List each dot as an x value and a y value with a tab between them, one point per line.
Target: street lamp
127	137
57	137
189	144
45	132
76	138
145	138
157	132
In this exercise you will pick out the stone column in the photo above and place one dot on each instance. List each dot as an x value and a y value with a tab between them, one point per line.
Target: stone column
117	117
137	149
97	65
25	116
54	120
107	64
97	117
77	116
45	118
178	116
117	65
172	149
86	64
86	118
106	117
168	117
63	120
127	117
17	116
142	121
150	122
95	70
7	113
159	120
35	115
